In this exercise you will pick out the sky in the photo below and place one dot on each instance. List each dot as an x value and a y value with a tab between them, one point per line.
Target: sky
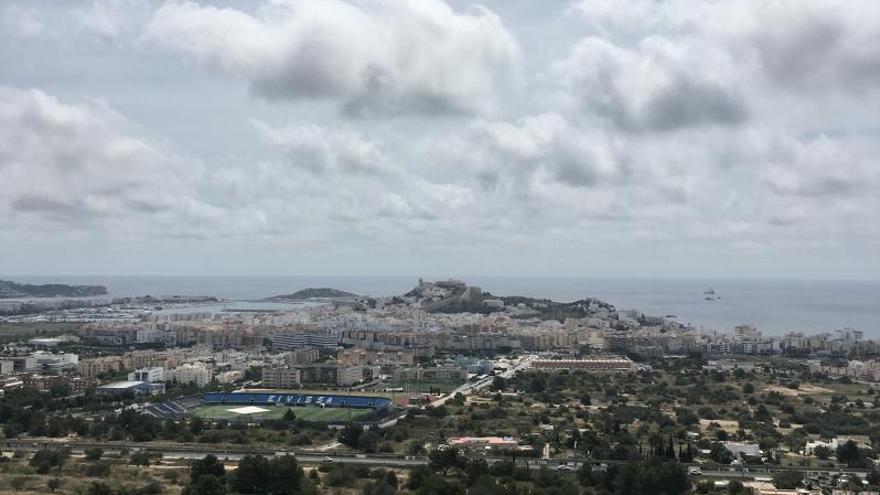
631	138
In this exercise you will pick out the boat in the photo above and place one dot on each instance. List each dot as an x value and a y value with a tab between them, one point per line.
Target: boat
710	292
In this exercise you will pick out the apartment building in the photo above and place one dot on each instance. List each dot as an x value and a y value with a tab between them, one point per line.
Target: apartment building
197	374
281	377
150	375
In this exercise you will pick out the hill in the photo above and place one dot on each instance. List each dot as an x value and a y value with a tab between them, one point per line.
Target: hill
10	290
313	293
455	296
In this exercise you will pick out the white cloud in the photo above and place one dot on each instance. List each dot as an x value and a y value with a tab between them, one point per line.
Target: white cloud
83	164
320	150
378	57
819	44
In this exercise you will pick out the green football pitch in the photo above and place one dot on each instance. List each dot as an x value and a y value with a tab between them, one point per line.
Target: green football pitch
313	414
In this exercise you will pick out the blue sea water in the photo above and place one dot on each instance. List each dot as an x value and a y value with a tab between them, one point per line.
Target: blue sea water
774	306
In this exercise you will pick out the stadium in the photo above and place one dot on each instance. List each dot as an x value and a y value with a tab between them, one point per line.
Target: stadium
255	407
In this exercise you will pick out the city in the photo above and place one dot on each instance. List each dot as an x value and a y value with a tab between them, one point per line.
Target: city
444	376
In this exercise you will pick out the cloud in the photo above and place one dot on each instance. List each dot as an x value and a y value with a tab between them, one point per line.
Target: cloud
659	85
638	129
549	145
321	150
372	58
825	167
81	164
821	44
112	19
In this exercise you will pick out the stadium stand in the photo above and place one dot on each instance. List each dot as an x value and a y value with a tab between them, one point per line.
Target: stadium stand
352	401
173	409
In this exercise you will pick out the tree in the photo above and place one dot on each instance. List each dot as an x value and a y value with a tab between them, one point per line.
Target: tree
289	415
734	487
720	454
437	412
585	474
207	466
99	488
93	453
475	469
350	435
851	454
654	477
44	460
499	383
139	459
98	470
822	452
368	442
444	459
252	476
287	475
787	480
196	425
205	485
258	475
53	484
873	477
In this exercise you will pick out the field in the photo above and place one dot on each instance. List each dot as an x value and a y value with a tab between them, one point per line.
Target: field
314	414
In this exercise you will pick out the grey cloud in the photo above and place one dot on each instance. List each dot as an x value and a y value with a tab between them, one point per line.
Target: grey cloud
647	89
575	172
689	103
818	45
32	203
372	58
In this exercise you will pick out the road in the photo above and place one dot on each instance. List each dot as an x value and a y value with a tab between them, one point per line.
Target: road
466	389
236	452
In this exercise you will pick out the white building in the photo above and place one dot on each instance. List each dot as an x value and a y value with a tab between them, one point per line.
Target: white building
149	375
46	361
229	376
198	374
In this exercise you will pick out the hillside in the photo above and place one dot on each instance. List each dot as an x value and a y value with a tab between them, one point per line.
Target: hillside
313	293
454	296
10	290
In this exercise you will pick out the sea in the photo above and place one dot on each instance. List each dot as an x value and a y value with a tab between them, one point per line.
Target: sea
773	306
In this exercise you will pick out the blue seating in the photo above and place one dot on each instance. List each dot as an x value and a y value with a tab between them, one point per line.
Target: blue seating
353	401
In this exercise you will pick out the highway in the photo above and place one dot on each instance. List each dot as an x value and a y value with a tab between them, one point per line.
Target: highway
236	452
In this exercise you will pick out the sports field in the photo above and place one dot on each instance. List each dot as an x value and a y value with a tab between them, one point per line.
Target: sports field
261	412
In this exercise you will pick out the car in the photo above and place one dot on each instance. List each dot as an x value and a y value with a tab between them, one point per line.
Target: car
695	471
327	459
563	467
